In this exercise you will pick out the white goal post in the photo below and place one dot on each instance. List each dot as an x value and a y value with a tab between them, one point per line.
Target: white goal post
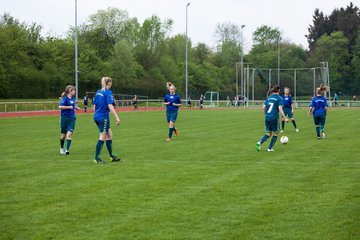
211	99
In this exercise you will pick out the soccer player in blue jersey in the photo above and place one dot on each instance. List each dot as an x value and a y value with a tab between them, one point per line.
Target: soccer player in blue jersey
201	101
318	108
103	104
172	102
67	118
273	105
288	109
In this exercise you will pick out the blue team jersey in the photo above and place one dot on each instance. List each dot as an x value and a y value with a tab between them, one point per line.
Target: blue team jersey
65	101
101	101
172	99
272	104
287	101
319	104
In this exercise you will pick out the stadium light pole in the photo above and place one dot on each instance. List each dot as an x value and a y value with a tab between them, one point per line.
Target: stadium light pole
76	54
278	68
186	55
325	75
328	78
242	61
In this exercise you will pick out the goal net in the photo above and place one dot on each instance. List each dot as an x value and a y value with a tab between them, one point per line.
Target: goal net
301	81
211	99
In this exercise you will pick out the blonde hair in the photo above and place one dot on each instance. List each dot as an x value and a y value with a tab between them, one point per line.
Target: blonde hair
105	81
169	84
67	90
322	89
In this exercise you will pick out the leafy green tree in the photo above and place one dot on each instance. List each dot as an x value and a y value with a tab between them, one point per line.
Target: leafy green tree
126	69
320	26
265	35
201	53
345	20
333	48
355	63
151	41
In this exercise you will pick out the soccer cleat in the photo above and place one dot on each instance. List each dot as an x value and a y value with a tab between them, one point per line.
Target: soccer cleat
318	137
62	151
99	161
258	146
271	150
282	131
297	130
168	139
323	134
114	159
176	132
67	153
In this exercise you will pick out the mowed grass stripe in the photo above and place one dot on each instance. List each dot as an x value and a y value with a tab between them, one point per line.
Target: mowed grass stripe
208	183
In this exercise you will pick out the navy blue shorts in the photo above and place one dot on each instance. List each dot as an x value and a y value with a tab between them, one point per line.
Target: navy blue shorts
171	116
272	125
319	120
67	124
288	112
103	125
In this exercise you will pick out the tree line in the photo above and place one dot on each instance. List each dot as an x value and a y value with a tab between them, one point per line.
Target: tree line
142	57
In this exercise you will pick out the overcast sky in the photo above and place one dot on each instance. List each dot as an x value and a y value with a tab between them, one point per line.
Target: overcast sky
291	17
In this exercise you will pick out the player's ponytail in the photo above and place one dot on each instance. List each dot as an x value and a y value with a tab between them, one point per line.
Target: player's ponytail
273	89
169	84
322	89
67	90
105	81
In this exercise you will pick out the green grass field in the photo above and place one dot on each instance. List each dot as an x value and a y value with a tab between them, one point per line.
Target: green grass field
208	183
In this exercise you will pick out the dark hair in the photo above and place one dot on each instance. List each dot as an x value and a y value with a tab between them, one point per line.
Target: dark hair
273	89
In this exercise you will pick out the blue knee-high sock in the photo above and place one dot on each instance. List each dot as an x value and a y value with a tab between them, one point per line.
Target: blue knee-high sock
294	123
99	146
264	138
109	147
272	142
282	125
171	130
68	143
317	131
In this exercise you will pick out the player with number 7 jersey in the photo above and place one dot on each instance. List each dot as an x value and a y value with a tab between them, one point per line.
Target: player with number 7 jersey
273	105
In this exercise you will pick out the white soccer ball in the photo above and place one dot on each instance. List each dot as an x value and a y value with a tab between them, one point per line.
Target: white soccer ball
284	139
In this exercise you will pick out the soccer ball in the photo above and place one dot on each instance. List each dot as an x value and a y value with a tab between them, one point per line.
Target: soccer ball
284	139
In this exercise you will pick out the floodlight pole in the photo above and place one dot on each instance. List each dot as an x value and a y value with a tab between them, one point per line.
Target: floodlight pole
242	62
278	61
314	76
328	78
237	78
323	73
76	54
186	55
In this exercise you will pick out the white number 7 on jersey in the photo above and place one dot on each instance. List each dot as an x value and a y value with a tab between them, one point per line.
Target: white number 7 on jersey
270	108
